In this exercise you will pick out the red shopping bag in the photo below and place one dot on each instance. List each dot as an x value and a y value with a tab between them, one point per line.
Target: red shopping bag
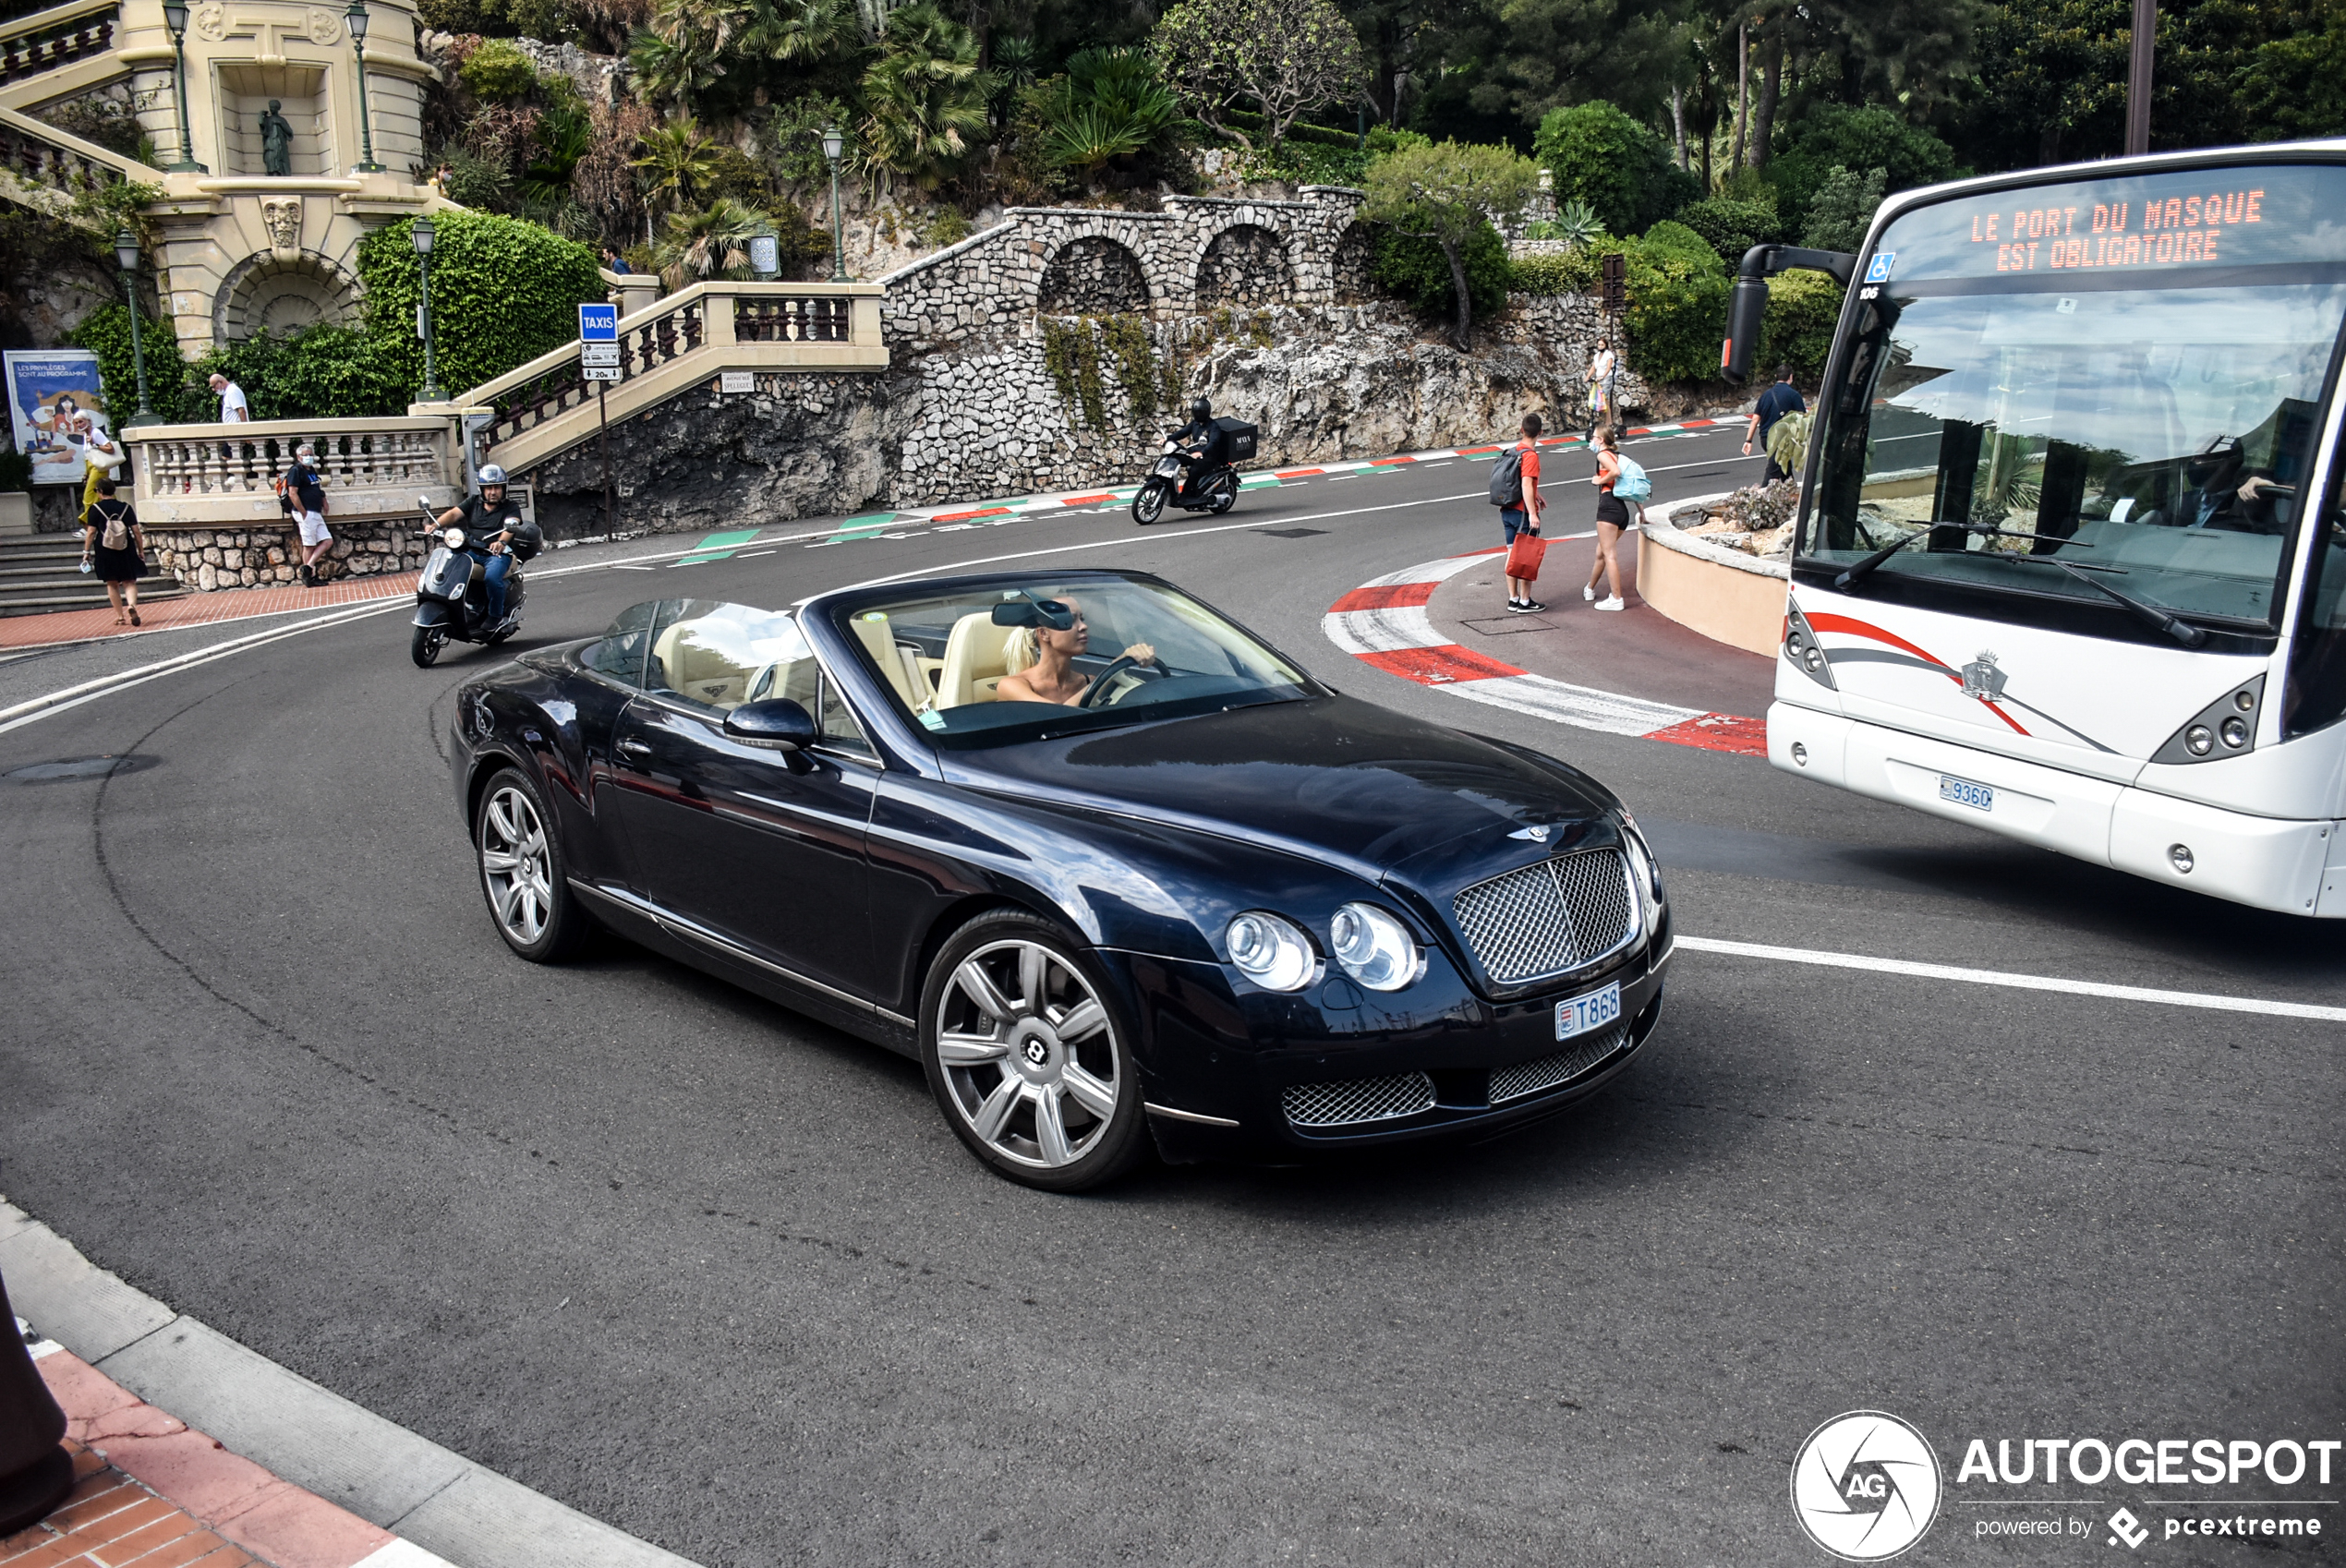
1524	555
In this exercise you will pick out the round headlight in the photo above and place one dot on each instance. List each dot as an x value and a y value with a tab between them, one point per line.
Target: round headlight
1374	948
2199	740
1272	952
453	538
2235	732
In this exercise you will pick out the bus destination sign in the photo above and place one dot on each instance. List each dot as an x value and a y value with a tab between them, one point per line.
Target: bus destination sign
2222	217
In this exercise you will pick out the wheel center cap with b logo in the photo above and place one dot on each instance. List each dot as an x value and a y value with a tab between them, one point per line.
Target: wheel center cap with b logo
1036	1052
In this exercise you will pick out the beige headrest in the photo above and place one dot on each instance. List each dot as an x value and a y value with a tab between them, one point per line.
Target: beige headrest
872	631
974	654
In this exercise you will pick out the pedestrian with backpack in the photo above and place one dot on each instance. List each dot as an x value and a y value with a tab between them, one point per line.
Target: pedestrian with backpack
1515	491
1613	518
114	548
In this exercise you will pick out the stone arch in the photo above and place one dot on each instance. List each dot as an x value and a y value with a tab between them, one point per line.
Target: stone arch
1093	276
1354	252
280	294
1246	265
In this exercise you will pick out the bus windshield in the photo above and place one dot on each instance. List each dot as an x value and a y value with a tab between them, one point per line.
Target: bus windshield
2110	382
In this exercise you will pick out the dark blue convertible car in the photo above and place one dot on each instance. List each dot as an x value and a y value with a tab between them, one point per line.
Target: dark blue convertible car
1114	869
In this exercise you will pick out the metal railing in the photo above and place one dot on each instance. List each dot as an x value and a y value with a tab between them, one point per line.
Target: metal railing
59	36
647	339
822	320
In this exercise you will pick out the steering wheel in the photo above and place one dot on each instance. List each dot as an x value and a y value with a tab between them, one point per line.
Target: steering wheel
1123	662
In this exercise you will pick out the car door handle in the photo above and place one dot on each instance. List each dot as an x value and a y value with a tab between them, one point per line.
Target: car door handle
633	749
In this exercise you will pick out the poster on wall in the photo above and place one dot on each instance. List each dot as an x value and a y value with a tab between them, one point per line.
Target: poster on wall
54	407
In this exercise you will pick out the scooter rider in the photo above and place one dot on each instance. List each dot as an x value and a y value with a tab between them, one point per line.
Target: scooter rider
491	523
1201	444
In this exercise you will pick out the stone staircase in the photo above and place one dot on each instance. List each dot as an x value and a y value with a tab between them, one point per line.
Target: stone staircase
40	573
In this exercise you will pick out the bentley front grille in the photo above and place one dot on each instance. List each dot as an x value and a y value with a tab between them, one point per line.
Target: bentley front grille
1548	917
1530	1078
1355	1099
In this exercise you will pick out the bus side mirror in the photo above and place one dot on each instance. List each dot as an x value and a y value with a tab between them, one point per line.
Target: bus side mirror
1746	308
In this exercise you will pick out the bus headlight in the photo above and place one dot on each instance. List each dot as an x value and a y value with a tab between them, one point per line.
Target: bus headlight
2231	719
2200	739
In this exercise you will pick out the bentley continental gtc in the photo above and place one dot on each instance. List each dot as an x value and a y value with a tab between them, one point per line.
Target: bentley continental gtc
1115	871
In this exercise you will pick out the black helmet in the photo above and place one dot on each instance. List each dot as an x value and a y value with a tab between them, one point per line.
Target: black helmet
1200	410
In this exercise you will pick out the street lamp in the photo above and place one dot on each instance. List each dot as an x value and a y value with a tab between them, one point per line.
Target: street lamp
174	17
357	18
421	236
125	255
832	144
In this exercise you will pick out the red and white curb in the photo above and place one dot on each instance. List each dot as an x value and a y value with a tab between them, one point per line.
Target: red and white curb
1384	622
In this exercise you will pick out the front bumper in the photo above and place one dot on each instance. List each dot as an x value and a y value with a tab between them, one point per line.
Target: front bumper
2267	862
1218	1059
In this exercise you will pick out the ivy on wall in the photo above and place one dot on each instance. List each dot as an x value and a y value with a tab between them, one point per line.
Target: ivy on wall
1135	362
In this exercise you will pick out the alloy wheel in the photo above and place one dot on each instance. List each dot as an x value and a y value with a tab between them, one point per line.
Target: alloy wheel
1028	1053
515	867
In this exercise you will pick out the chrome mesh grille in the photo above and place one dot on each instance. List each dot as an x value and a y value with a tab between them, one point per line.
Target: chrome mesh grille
1548	917
1358	1100
1529	1077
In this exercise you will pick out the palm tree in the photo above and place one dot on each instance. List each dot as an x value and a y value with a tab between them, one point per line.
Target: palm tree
709	244
670	73
677	158
801	30
925	96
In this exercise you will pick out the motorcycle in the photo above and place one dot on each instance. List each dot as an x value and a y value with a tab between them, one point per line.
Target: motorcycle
452	595
1217	491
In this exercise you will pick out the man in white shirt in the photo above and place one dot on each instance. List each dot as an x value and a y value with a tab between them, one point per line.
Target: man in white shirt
233	409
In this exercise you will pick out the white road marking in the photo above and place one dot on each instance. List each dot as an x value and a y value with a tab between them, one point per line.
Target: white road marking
2202	1000
1581	707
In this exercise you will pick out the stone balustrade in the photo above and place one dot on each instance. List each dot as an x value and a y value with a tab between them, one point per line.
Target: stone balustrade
206	494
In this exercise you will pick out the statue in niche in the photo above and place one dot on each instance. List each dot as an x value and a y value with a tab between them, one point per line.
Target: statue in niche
276	141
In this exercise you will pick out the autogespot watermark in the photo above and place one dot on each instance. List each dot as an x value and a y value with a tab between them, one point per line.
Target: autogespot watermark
1866	1486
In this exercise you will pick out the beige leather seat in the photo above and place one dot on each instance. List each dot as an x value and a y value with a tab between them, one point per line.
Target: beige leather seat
900	665
974	661
698	669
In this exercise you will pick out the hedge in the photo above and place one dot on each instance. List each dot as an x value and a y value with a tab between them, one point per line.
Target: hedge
106	330
1413	267
503	291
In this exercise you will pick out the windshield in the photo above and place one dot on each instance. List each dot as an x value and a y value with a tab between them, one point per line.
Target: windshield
1021	660
2121	376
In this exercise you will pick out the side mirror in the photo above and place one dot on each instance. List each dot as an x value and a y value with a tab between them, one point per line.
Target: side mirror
777	723
1746	308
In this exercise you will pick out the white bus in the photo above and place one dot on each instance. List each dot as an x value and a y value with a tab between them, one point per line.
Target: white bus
2071	564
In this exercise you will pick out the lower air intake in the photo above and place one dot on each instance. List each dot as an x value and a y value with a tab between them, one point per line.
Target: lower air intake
1357	1100
1529	1077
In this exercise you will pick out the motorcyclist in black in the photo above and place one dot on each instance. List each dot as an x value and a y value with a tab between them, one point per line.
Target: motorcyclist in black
492	522
1201	444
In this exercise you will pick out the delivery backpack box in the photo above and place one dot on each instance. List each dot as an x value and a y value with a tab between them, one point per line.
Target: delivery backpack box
1240	437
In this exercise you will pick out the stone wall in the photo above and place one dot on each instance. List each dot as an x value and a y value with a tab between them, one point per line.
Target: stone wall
1093	276
1322	381
250	557
1246	267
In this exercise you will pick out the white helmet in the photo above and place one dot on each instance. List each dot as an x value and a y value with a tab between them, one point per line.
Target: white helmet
491	475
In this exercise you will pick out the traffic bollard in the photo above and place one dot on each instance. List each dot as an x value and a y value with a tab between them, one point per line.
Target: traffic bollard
35	1471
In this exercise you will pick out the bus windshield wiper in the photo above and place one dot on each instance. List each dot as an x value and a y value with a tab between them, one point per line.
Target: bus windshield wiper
2181	631
1861	568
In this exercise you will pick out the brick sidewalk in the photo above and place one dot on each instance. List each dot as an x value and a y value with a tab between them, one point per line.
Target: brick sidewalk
151	1492
198	609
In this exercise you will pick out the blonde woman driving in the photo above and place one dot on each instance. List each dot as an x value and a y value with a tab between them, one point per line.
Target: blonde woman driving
1041	661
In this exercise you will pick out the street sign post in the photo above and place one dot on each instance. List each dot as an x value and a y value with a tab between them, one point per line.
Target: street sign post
598	323
599	353
600	373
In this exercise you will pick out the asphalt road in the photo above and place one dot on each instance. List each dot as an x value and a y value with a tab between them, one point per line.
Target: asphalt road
723	1278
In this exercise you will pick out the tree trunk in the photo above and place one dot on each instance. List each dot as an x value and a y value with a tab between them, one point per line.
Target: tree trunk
1464	336
1763	128
1743	89
1678	124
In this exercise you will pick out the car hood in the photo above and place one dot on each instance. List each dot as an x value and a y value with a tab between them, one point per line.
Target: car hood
1331	779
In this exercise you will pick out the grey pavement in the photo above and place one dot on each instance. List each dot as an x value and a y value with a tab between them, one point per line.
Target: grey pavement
721	1278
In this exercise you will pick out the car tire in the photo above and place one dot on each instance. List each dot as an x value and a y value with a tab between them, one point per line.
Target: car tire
1043	1089
523	870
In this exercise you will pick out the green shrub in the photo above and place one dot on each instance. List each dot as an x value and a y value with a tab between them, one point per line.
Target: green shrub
498	71
1676	239
1802	309
1855	139
945	226
106	332
1732	227
792	143
1842	209
1546	274
733	173
1614	163
1413	268
502	292
1678	313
